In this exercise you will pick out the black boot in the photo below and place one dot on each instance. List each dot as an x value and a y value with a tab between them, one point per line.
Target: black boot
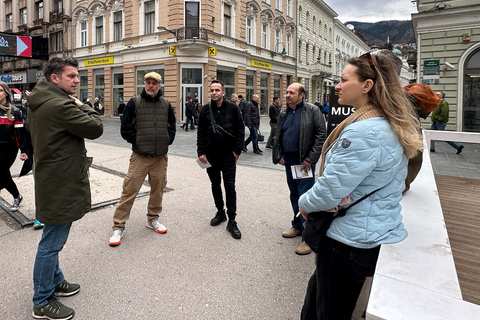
233	229
219	218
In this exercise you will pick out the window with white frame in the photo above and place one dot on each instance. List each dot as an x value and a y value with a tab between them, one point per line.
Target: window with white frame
9	19
278	39
149	17
265	31
289	8
300	10
278	5
227	19
289	44
83	33
23	16
117	26
249	30
307	53
99	30
39	10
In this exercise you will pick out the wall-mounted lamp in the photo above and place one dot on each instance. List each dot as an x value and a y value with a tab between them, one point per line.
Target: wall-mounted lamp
213	19
174	32
275	52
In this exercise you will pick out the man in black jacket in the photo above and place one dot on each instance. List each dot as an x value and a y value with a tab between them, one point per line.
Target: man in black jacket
251	116
273	113
149	125
299	138
221	149
189	113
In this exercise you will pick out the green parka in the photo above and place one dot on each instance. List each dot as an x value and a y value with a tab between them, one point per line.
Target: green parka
58	128
441	113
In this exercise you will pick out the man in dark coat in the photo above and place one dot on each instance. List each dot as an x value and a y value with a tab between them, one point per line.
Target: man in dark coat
273	113
149	125
189	113
251	116
299	139
58	124
221	150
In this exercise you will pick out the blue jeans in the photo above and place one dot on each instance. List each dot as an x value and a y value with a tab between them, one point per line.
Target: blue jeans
253	137
297	188
189	121
441	126
46	272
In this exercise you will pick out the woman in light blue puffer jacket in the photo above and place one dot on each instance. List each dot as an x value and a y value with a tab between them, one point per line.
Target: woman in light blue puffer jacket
368	151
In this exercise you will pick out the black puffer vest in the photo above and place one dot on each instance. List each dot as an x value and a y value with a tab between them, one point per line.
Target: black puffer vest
151	122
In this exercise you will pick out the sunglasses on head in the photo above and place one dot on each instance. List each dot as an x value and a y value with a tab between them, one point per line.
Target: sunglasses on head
367	56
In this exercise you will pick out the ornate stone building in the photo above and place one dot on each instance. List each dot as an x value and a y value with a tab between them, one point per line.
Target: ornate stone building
448	56
249	45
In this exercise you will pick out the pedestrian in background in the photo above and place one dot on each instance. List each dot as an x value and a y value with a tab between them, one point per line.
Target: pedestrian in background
58	125
221	148
299	138
439	122
11	124
366	155
251	116
149	125
273	113
189	113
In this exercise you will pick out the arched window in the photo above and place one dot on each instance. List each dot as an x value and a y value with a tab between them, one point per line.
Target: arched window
471	94
300	10
307	25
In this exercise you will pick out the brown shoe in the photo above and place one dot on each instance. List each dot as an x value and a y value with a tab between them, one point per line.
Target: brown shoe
303	248
291	233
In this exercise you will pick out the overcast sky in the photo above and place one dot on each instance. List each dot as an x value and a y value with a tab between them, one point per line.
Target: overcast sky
372	10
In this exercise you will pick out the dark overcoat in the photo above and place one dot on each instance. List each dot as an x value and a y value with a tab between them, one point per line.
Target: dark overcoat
58	128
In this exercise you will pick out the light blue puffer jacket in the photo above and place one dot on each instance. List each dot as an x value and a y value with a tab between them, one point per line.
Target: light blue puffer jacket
366	156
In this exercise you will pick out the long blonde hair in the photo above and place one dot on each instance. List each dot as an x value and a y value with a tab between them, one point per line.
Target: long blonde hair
8	100
387	96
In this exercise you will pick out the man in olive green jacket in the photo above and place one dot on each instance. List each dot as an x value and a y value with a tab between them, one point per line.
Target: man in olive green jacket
58	124
439	122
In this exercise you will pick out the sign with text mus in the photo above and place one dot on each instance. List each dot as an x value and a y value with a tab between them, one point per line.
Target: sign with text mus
337	112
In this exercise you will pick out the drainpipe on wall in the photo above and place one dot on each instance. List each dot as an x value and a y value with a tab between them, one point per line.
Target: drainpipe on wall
296	40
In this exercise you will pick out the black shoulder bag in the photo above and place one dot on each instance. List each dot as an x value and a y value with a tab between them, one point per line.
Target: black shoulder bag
317	224
220	134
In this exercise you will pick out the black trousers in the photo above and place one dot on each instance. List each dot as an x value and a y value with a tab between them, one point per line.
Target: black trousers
227	169
335	285
8	154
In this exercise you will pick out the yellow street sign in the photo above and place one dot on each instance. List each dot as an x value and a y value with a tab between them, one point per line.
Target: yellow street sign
212	51
173	50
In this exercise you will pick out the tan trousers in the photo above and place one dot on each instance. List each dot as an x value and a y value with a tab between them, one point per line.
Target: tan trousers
140	166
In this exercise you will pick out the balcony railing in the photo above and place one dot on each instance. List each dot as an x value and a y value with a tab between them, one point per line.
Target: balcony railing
56	15
190	33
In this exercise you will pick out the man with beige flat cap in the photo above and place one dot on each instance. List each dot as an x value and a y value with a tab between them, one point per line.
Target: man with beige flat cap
149	125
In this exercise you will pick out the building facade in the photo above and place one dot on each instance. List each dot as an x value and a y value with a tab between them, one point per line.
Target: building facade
315	48
190	43
36	18
347	45
448	56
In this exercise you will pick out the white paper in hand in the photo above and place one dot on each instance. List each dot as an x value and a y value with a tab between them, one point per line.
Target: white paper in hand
298	173
203	165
